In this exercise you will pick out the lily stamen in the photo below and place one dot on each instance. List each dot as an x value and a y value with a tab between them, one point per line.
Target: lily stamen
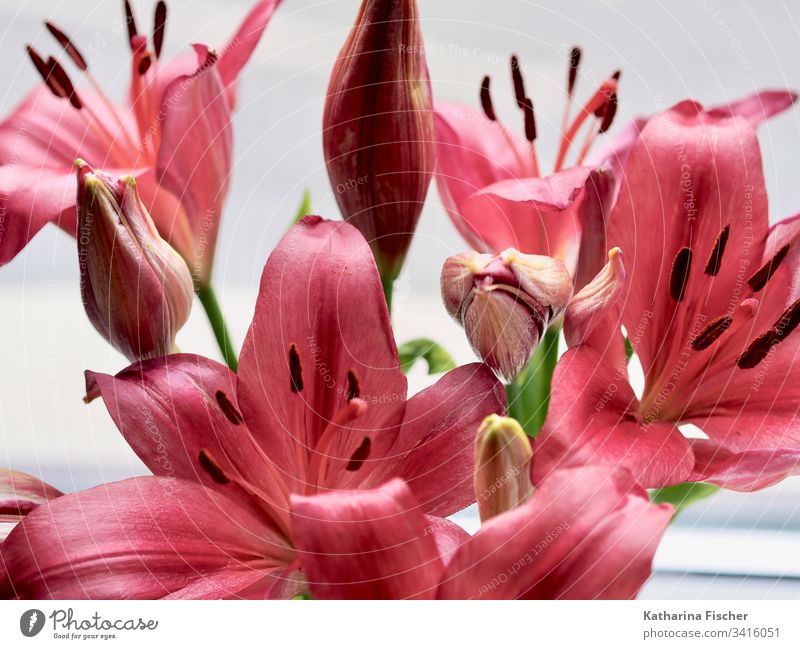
80	62
597	101
326	449
488	110
130	21
526	104
159	21
572	77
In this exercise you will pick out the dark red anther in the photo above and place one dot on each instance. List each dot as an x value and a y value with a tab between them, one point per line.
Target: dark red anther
130	21
609	113
680	273
353	386
574	64
159	21
228	409
144	65
68	45
617	74
486	99
757	350
211	467
711	333
530	120
61	78
44	72
788	321
295	370
519	83
759	279
715	259
360	455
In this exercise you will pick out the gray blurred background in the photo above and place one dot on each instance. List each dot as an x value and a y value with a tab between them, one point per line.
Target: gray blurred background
728	546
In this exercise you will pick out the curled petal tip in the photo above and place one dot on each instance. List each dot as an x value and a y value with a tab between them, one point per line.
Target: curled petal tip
595	301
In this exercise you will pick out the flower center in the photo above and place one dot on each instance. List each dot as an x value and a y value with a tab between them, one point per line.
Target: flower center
115	135
602	105
721	327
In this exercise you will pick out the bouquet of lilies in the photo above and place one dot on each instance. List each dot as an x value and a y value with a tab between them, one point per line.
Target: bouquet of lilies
300	467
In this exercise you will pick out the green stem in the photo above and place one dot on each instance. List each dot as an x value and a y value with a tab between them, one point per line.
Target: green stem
388	289
529	393
209	301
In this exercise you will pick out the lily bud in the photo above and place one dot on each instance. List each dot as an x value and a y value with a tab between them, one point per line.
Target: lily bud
502	466
136	289
505	303
378	129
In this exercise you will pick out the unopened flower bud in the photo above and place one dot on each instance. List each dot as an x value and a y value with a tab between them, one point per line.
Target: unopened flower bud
505	303
378	128
136	289
502	466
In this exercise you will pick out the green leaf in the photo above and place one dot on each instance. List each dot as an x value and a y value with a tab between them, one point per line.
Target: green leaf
529	393
302	596
431	352
684	494
304	208
628	349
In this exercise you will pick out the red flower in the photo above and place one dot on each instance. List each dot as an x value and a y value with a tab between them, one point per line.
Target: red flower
173	134
584	534
319	405
710	305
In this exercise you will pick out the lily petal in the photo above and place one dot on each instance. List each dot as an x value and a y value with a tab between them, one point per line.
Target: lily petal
550	546
239	49
671	218
46	131
369	544
141	538
170	409
756	108
592	419
32	197
434	451
195	155
320	337
534	215
20	494
595	210
593	315
472	153
747	470
615	560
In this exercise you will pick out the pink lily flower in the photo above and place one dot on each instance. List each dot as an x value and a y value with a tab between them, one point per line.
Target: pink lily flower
173	134
709	301
496	193
318	405
492	185
587	533
20	494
